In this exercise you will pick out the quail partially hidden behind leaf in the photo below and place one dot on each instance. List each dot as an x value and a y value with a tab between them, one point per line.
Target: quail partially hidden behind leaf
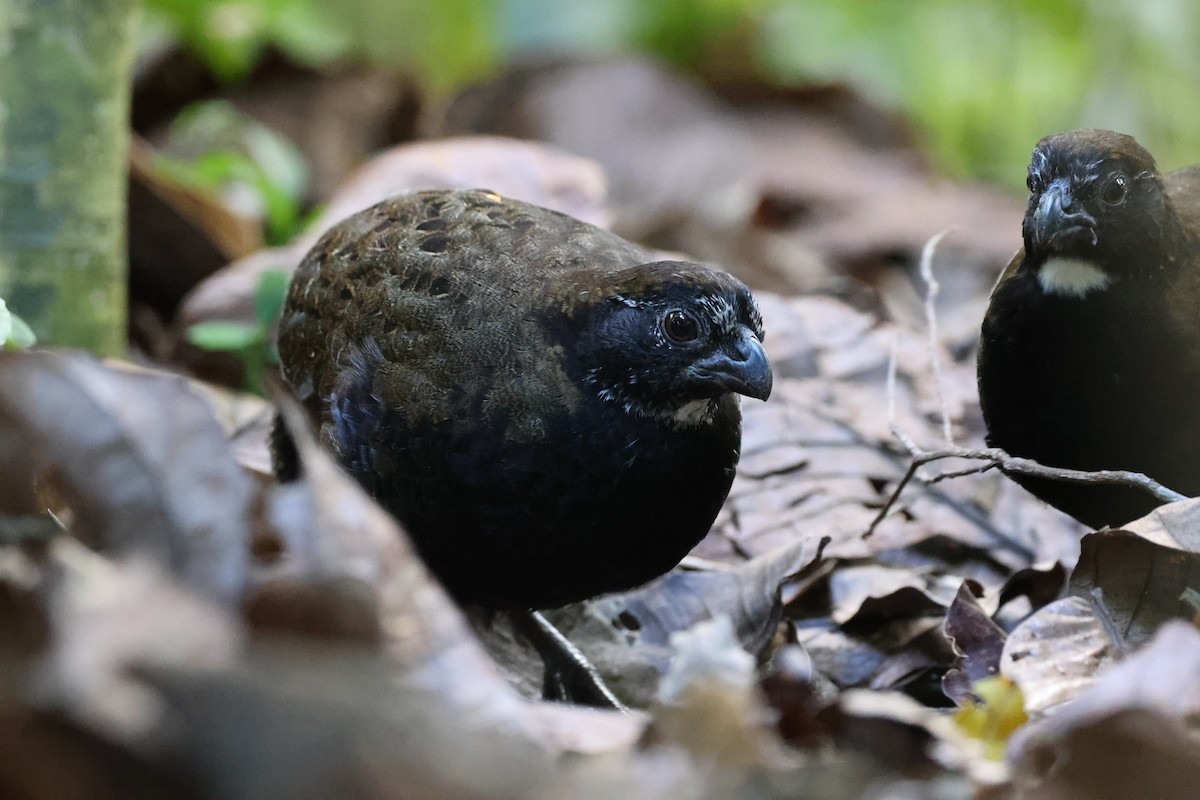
552	414
1090	351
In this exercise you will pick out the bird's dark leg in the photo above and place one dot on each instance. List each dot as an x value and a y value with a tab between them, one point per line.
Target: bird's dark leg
569	676
285	461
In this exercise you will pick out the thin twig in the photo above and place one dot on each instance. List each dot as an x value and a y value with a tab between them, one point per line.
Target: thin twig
932	287
995	457
892	498
960	473
54	518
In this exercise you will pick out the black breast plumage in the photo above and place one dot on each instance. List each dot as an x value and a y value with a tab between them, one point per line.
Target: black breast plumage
1090	350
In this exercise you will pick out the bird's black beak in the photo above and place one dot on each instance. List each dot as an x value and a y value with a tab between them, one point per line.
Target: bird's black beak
741	367
1059	219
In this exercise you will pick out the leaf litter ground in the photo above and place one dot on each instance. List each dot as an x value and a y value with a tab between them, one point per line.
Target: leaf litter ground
183	627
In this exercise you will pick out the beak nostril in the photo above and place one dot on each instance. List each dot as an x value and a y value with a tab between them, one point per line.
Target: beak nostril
1060	217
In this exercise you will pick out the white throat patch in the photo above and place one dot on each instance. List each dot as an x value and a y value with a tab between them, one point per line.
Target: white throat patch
695	412
1072	277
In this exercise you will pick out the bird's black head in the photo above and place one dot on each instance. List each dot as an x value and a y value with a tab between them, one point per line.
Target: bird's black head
1097	211
669	339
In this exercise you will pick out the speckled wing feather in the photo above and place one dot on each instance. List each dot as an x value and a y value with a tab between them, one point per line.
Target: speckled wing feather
414	275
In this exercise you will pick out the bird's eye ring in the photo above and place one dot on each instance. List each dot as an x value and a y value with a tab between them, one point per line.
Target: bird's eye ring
1114	191
680	327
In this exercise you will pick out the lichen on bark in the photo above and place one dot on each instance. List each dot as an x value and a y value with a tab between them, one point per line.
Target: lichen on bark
64	133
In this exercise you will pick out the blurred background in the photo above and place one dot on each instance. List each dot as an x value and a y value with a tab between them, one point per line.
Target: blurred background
808	146
982	81
166	164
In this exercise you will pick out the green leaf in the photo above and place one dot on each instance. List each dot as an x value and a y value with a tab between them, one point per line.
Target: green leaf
224	335
278	159
219	168
14	333
995	719
232	37
269	296
445	44
309	33
21	336
223	151
283	214
6	325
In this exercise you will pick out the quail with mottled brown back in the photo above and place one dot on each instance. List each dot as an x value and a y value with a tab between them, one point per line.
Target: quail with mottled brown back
1090	350
551	412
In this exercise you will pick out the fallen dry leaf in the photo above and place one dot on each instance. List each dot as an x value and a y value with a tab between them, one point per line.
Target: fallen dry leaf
978	642
108	617
44	756
863	592
1174	525
747	594
794	690
1041	584
708	701
882	655
1057	652
1131	733
290	721
139	458
1136	582
24	621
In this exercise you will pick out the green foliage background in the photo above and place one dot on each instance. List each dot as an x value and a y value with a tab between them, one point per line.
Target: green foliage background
983	80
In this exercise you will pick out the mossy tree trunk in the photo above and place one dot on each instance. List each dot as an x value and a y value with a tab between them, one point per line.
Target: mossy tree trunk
65	68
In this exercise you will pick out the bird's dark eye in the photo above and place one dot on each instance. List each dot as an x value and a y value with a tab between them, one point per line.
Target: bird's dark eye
1114	191
680	327
1031	183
